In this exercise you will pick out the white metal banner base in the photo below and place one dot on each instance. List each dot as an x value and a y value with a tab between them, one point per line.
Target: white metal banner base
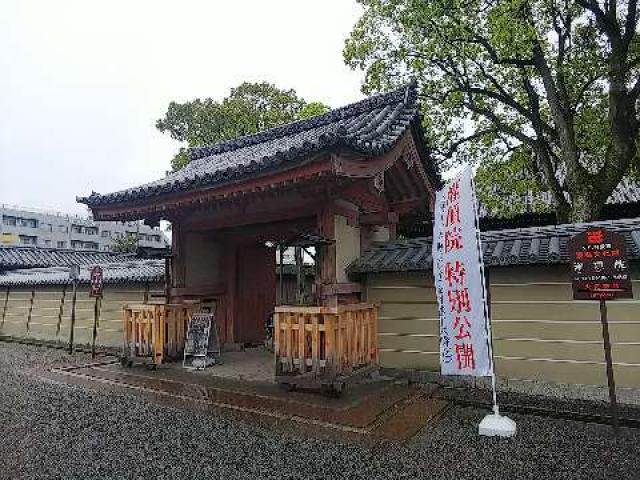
495	425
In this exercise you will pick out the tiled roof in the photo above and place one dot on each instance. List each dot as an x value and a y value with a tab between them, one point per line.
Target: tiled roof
30	257
627	192
121	272
523	246
371	126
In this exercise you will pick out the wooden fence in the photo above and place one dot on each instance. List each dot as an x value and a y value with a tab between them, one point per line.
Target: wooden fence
324	343
156	332
43	312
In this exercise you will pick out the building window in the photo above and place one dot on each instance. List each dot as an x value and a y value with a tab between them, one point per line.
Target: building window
47	243
28	240
63	229
9	220
47	227
91	230
28	222
61	244
106	234
91	245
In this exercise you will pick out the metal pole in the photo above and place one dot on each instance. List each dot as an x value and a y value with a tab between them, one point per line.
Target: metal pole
607	355
487	287
73	315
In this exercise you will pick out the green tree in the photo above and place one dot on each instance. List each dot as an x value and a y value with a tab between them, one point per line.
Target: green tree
250	108
125	243
554	80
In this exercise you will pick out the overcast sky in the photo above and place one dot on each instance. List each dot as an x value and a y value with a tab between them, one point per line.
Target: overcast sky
83	82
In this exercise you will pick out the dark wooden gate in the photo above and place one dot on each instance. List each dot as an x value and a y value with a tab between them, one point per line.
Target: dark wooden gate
255	292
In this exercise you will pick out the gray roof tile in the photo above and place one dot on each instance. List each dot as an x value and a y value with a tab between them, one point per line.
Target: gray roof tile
371	126
28	257
522	246
131	271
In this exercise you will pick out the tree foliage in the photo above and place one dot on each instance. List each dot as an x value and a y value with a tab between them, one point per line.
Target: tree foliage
126	243
250	108
549	86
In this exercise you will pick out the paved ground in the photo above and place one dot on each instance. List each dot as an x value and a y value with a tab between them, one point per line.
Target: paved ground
54	430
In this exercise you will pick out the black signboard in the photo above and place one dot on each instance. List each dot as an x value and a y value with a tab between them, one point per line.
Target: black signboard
601	272
202	346
599	265
96	282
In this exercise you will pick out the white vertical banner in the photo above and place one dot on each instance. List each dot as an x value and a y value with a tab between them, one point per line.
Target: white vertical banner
459	281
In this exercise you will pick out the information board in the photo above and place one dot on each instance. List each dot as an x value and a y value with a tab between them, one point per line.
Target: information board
202	346
599	266
96	282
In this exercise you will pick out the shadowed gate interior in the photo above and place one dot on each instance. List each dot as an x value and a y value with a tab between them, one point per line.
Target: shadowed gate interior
256	266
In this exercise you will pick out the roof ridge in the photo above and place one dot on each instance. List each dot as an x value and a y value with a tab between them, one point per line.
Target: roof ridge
405	94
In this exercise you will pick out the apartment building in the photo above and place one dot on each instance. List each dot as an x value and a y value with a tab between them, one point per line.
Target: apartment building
22	226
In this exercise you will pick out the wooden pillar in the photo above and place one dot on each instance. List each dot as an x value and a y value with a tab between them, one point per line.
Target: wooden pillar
61	309
4	308
33	294
178	255
299	276
327	257
231	268
168	266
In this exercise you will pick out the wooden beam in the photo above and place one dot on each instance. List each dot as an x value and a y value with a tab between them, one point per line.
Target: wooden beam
367	167
383	218
361	194
343	288
200	291
409	204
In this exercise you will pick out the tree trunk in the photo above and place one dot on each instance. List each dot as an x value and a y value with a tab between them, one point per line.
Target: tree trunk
586	206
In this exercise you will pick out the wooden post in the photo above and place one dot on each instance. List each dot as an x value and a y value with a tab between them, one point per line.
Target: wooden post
302	345
610	375
61	310
277	319
73	314
167	279
33	294
299	276
231	266
4	309
145	298
96	314
281	286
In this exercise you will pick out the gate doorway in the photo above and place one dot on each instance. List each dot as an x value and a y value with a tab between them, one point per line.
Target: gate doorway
256	287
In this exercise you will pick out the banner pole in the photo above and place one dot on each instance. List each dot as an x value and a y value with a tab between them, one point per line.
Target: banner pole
496	424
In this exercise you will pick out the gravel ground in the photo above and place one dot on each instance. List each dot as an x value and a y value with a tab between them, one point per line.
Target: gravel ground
54	430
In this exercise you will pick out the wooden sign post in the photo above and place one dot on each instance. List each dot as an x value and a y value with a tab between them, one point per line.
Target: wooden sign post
74	275
96	288
601	272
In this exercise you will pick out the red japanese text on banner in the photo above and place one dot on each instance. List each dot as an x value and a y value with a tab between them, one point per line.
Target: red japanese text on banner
459	283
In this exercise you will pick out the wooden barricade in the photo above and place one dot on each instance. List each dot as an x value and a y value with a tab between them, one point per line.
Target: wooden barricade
318	345
155	332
